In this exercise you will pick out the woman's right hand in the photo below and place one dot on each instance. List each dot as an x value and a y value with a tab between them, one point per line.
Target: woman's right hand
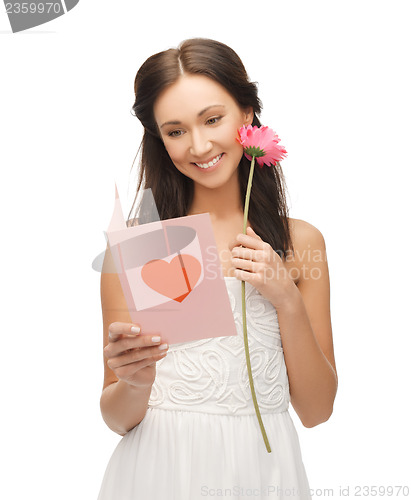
133	356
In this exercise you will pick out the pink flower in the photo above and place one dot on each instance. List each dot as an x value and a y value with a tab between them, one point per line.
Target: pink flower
262	143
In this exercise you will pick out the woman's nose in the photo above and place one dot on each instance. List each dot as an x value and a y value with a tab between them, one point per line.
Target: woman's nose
200	144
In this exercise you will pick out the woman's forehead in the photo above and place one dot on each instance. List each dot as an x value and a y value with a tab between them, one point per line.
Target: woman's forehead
191	93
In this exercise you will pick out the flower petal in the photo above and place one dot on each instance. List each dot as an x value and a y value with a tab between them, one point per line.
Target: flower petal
261	142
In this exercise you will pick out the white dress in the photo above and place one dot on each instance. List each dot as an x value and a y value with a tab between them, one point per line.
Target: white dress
200	436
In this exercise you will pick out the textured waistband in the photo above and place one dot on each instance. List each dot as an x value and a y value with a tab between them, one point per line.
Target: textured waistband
220	410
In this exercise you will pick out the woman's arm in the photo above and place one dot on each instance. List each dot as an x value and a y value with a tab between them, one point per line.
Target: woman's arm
122	405
303	313
305	326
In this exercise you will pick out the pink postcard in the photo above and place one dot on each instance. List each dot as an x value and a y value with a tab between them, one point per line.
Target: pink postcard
171	276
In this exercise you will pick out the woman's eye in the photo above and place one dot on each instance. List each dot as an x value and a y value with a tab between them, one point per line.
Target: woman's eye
175	133
212	121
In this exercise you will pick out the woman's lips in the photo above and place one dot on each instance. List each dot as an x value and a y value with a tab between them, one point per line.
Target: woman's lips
210	169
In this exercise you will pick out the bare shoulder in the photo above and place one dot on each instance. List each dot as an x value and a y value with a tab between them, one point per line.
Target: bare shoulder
309	249
304	234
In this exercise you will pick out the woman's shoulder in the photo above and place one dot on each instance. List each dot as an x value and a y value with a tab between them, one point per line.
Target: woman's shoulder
304	233
308	243
309	248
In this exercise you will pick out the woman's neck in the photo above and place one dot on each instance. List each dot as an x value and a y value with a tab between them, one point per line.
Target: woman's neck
221	203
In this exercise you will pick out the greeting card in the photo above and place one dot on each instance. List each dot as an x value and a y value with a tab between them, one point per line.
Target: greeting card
171	276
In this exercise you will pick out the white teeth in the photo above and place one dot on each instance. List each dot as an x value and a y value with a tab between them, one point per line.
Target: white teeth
210	163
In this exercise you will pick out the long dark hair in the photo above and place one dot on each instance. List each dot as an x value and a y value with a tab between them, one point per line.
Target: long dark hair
173	191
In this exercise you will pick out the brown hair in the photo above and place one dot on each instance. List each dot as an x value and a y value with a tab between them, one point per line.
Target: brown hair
173	191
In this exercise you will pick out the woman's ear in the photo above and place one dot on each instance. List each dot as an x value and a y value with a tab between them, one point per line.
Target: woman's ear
248	116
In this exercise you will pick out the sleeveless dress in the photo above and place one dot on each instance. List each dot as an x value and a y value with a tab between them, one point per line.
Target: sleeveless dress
200	436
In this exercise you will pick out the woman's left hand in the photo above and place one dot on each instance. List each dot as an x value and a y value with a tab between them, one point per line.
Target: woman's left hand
257	263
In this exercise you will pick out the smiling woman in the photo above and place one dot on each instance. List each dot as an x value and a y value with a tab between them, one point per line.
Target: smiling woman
218	71
201	142
185	411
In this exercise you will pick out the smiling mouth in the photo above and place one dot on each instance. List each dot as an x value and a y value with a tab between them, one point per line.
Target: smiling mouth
210	163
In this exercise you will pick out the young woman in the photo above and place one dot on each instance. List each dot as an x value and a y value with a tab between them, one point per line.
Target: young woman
185	410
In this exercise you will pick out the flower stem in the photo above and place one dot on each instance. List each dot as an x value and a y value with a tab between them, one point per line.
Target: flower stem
247	352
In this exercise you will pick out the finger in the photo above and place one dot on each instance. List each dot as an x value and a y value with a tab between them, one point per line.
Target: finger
250	241
124	371
243	253
136	355
119	347
251	231
242	275
232	244
118	330
249	254
244	265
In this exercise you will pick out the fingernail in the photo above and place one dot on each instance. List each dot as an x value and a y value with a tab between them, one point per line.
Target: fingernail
163	346
155	339
135	329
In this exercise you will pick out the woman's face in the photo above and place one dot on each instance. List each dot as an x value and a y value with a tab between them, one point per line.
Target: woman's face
198	122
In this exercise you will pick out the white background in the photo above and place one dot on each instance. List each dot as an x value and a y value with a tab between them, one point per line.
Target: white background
334	80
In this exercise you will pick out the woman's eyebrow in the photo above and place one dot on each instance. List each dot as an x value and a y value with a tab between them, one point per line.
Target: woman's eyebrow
209	107
176	122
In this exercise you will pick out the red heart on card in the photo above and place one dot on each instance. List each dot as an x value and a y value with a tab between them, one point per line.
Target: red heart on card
174	279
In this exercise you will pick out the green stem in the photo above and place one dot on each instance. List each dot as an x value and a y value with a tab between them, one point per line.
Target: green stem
247	352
